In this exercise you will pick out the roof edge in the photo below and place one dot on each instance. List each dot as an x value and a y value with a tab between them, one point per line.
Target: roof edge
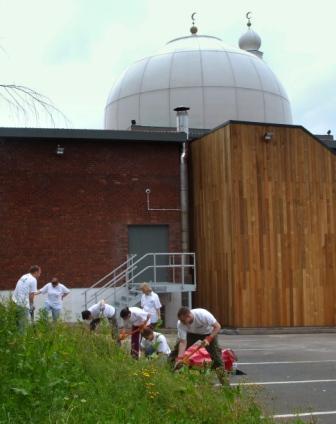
90	135
265	124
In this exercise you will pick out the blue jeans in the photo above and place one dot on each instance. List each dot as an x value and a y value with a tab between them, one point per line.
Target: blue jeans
55	312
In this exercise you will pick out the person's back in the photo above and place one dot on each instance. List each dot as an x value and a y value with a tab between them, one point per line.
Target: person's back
154	342
23	295
102	309
26	284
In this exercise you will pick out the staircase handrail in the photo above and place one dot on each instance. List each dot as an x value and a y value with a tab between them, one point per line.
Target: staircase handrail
129	270
129	280
110	273
111	283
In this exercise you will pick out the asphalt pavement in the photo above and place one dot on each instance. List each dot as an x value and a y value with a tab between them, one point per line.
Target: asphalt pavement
294	374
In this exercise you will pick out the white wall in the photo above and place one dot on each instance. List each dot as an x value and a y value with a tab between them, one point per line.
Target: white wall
74	303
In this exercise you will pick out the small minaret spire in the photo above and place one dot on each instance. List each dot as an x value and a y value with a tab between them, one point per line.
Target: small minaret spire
248	19
194	28
250	41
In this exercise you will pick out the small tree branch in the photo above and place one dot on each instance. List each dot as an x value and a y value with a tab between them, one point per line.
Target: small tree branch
25	100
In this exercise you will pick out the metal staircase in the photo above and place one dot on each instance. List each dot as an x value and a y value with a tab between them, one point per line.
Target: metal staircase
165	272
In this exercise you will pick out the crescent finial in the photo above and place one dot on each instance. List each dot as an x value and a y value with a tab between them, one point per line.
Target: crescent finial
248	18
193	29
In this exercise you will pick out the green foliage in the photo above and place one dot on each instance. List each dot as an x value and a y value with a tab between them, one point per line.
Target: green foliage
63	374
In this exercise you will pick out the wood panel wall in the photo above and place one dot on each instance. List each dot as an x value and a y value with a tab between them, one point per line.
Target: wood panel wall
264	222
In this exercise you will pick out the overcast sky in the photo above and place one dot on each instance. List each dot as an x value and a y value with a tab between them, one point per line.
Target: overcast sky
73	50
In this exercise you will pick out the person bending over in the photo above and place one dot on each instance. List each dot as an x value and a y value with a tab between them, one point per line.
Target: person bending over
137	319
200	324
100	311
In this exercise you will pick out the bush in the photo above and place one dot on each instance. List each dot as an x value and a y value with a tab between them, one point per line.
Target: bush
63	374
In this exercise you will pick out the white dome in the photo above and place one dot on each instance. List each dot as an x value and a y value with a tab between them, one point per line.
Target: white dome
217	82
250	41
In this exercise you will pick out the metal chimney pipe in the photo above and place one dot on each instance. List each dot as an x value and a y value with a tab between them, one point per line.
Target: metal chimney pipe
182	119
182	124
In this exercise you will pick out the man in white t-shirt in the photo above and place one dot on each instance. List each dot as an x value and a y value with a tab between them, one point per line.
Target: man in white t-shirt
150	302
199	324
102	310
56	293
23	295
154	342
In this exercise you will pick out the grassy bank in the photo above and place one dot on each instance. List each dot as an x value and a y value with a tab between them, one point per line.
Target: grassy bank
62	374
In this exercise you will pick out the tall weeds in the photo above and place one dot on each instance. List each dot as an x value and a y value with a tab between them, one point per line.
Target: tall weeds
63	374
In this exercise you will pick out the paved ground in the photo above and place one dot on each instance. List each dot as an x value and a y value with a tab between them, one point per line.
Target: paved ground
296	374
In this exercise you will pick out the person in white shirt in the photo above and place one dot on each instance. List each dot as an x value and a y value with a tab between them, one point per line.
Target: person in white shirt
154	342
55	292
150	302
23	295
138	319
199	324
99	311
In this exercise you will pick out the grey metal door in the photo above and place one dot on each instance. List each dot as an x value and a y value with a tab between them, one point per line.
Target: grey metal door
143	239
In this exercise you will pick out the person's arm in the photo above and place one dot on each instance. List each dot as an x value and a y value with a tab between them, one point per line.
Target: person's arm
158	307
43	290
215	330
182	340
31	299
66	291
33	291
143	325
181	349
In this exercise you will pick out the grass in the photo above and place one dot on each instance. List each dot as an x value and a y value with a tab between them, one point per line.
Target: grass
63	374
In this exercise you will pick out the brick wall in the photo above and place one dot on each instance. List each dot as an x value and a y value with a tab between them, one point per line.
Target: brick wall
70	214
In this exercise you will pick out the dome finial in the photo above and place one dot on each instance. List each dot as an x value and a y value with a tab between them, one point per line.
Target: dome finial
194	28
250	41
248	19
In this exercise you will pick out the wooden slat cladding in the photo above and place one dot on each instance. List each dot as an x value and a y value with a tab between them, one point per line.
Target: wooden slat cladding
264	226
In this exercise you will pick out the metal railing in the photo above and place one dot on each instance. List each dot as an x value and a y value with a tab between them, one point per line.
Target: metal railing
173	268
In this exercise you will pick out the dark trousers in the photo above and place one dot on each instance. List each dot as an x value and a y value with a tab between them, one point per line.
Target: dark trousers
213	349
135	342
114	328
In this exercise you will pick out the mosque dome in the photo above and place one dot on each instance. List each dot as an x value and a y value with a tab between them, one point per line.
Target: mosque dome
250	41
217	82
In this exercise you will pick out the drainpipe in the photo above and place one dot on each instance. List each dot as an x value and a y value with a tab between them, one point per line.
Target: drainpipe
182	124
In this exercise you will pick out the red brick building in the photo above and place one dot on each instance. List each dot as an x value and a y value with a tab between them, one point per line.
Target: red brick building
71	211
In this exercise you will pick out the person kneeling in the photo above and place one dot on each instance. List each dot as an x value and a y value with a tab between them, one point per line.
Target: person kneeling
154	343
